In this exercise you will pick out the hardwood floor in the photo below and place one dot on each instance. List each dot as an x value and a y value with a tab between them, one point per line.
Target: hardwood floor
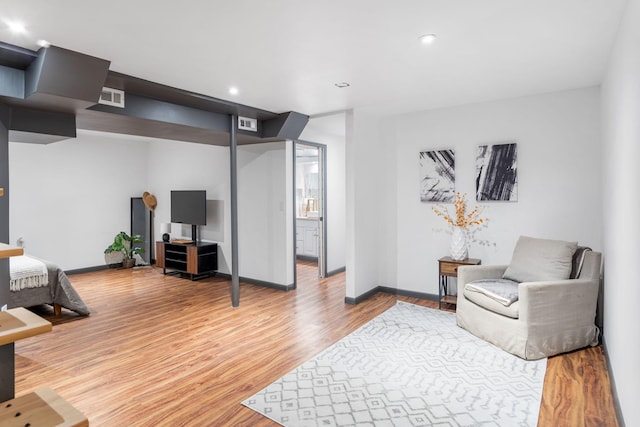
163	351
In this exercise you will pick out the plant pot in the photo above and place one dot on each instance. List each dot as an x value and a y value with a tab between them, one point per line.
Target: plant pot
128	263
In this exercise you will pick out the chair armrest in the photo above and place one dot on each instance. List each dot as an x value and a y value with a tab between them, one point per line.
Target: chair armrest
559	303
469	273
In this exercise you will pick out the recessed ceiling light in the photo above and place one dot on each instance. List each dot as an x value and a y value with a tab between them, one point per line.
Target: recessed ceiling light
233	90
427	38
43	43
342	85
17	27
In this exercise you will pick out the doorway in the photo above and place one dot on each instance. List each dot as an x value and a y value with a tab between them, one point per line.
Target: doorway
310	205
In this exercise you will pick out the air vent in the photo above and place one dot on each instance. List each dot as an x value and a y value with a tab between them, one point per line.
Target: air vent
245	123
113	97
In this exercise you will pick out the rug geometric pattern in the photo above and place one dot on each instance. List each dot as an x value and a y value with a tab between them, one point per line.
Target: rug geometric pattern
409	366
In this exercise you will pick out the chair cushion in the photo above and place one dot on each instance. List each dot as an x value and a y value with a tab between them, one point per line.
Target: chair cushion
502	290
537	260
491	304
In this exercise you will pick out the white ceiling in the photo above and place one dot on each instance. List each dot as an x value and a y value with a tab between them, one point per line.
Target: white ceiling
286	55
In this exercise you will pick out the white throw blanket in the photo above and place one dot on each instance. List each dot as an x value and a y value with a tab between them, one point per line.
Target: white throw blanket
27	272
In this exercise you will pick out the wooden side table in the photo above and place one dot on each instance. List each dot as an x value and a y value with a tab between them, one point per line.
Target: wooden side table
448	267
42	408
15	324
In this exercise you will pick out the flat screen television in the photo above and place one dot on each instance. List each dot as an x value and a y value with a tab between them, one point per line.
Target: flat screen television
189	207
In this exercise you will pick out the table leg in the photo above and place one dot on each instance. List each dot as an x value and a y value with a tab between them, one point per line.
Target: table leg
7	372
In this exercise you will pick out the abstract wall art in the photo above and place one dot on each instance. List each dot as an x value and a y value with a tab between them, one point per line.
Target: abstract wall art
497	173
437	176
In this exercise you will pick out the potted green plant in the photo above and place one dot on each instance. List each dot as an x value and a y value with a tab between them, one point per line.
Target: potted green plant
125	244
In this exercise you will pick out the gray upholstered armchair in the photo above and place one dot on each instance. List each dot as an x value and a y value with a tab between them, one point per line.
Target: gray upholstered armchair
542	315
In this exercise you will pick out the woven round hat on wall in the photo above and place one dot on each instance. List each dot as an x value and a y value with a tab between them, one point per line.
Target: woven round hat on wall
149	200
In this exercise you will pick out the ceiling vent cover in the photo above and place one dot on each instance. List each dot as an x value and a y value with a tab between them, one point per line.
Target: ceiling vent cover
112	97
245	123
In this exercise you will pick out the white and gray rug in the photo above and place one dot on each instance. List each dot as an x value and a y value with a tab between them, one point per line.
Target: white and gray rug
410	366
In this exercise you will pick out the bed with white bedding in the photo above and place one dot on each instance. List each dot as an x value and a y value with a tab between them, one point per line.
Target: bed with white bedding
35	282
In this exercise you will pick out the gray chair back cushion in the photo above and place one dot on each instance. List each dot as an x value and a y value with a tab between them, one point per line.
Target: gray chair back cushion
536	260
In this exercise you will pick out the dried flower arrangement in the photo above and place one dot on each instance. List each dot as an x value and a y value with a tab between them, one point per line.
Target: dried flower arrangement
461	218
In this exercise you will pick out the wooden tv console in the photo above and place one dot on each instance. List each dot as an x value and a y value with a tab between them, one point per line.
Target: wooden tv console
195	260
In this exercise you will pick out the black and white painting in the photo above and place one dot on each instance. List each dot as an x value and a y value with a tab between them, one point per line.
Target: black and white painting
437	176
496	173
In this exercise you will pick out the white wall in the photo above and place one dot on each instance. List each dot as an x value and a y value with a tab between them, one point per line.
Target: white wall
368	175
177	165
558	177
330	131
262	191
70	198
621	153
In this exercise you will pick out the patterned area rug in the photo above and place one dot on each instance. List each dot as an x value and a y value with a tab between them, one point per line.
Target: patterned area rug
410	366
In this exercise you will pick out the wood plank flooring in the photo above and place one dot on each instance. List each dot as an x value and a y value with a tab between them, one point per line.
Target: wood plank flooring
163	351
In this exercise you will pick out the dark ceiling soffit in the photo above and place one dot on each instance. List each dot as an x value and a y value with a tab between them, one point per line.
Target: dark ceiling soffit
41	126
57	80
16	57
61	72
286	126
173	107
137	86
34	138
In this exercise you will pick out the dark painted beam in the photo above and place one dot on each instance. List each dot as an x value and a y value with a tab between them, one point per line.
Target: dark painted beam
116	123
145	88
152	109
62	81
